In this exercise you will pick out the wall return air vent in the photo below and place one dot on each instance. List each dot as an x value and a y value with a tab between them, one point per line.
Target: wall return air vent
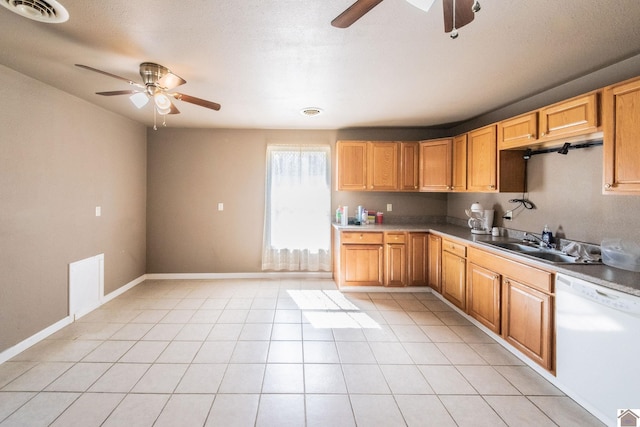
39	10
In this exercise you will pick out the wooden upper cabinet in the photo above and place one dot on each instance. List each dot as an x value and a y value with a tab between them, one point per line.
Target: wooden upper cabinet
518	132
382	166
482	160
436	165
621	123
409	166
351	165
459	175
576	116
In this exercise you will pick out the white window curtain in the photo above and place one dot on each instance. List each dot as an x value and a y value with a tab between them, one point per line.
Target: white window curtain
297	225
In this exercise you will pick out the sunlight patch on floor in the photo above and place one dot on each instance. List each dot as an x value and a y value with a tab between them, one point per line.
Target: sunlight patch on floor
330	309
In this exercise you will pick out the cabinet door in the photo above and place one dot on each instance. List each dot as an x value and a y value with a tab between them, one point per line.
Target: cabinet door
483	296
518	132
435	263
409	166
454	279
621	110
481	160
352	165
382	166
459	175
395	255
418	262
435	165
575	116
527	321
362	265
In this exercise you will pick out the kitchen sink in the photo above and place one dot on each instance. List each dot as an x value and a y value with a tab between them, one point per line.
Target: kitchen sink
517	247
552	256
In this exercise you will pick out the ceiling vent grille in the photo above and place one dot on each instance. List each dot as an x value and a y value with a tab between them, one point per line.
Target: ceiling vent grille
38	10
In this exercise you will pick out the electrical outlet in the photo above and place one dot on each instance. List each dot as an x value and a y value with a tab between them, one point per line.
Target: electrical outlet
508	215
389	207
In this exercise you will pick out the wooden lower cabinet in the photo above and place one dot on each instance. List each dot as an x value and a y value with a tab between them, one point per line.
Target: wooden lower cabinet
418	259
434	261
454	273
528	321
361	259
483	296
395	255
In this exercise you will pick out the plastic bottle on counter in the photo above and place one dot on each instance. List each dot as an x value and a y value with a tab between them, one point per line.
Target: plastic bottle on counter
547	236
339	215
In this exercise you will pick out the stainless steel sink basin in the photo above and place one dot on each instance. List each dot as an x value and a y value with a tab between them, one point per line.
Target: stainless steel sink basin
517	247
548	255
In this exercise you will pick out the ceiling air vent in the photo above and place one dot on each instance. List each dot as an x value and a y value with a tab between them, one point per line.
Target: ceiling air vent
39	10
311	111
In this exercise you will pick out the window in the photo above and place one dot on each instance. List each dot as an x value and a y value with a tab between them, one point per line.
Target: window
297	226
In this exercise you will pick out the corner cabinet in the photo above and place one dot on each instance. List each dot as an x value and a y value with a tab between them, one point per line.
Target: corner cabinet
482	160
434	260
418	259
621	128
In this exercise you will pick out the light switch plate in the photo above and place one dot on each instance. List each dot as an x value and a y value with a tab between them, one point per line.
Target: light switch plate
98	210
220	206
389	207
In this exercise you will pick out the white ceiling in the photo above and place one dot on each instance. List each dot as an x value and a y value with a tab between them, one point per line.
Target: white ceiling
265	60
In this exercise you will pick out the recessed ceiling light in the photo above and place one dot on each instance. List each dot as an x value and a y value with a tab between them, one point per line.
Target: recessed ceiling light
49	11
311	111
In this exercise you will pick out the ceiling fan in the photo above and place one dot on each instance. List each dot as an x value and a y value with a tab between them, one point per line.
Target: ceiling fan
158	81
465	11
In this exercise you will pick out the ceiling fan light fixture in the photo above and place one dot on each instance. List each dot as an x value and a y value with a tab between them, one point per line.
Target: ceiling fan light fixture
163	103
422	4
139	99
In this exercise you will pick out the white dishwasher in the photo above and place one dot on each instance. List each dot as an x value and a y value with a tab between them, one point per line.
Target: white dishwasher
598	346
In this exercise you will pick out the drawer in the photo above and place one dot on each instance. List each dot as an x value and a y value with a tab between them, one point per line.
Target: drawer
390	238
356	237
454	248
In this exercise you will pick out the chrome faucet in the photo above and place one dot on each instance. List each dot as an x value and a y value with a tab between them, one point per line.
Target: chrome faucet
538	239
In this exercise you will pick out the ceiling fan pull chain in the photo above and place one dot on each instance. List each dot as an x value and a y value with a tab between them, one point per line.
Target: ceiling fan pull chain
454	31
155	127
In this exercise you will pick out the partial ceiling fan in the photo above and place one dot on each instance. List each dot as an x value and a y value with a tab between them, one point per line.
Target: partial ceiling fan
158	81
465	11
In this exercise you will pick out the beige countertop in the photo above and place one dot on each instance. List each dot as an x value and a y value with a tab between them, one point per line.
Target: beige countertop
610	277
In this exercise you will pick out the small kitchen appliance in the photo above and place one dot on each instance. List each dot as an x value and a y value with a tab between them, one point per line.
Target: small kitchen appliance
480	219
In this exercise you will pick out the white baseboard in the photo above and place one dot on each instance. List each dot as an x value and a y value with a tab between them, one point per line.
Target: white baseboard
371	289
34	339
52	329
260	275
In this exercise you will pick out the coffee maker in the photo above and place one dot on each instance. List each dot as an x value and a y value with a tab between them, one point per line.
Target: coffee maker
480	219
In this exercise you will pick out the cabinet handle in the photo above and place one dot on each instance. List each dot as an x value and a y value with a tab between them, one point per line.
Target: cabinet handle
529	136
492	187
608	186
494	277
543	134
462	261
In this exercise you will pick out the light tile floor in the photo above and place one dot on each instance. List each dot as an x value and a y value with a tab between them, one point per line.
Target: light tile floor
275	353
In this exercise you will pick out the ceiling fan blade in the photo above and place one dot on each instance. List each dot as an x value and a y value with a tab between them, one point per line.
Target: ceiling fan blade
354	12
464	14
197	101
174	109
118	92
170	81
131	82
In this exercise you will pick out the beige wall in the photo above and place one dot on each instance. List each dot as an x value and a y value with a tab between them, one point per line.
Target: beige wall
60	157
190	171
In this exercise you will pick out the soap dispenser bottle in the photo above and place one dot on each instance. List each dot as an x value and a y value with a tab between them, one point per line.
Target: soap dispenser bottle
547	236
